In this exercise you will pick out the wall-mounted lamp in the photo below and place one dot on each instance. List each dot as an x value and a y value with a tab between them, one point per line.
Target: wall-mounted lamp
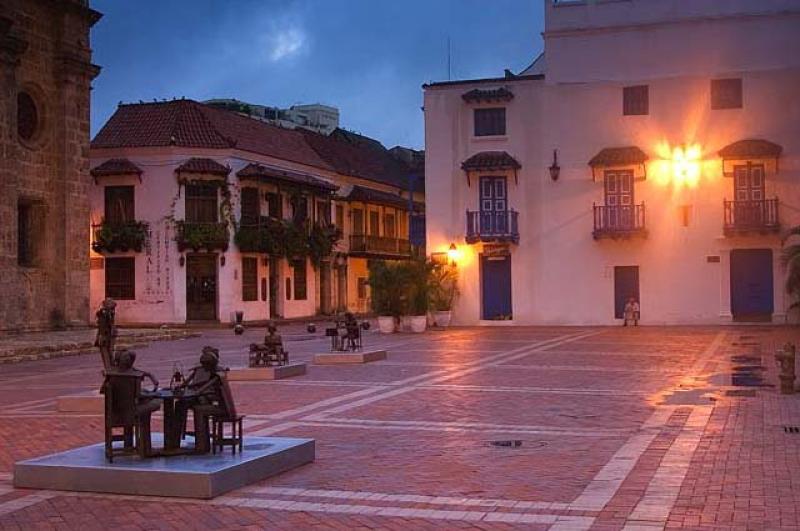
555	169
453	254
182	261
222	260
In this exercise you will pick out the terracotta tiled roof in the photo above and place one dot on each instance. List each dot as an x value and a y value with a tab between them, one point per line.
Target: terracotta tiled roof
490	160
619	156
187	123
359	156
260	172
116	167
378	197
488	95
203	165
751	149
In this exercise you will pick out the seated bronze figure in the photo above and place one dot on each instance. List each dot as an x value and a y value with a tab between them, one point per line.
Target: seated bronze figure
271	352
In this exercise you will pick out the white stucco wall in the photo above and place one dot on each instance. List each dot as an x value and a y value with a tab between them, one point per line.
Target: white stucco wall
560	274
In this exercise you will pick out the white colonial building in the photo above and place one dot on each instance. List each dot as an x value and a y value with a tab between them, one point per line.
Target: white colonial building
653	152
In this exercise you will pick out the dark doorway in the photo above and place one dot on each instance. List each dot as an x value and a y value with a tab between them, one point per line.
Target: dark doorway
496	287
201	287
325	288
751	285
274	279
626	285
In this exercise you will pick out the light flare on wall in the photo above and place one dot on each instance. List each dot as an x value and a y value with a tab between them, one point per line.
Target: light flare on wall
680	166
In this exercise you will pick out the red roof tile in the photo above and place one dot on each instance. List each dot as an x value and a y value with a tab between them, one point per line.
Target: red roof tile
261	172
359	156
619	156
751	149
490	160
203	165
187	123
115	167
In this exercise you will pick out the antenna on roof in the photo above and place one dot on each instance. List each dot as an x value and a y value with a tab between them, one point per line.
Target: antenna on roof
449	61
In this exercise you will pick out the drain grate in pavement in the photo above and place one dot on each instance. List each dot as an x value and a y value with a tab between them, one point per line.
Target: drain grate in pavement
740	392
507	444
791	429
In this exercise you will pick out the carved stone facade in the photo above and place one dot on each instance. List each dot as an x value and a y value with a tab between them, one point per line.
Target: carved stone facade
45	77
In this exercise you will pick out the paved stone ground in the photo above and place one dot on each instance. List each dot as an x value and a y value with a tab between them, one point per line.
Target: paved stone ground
619	429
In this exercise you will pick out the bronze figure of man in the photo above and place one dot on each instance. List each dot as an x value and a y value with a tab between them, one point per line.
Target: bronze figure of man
106	333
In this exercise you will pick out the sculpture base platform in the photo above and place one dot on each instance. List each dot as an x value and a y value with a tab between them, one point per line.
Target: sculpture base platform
245	374
87	403
349	358
86	469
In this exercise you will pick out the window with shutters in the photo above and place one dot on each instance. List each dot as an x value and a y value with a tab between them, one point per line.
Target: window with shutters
201	203
251	206
358	221
121	278
340	217
726	94
274	205
249	278
323	212
119	204
490	122
299	274
635	100
389	229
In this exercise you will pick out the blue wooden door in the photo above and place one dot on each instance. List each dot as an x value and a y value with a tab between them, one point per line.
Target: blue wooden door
494	205
496	286
751	284
626	285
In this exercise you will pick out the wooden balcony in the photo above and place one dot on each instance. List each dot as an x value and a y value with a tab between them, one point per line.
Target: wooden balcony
197	236
492	226
119	237
379	247
619	222
741	217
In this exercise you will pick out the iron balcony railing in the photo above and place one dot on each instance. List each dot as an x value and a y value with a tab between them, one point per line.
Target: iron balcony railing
379	245
746	216
488	226
619	221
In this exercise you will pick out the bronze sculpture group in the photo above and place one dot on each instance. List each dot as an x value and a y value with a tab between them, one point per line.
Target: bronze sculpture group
345	335
128	407
270	353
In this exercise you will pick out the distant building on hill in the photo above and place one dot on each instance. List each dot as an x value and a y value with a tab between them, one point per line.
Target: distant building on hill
315	117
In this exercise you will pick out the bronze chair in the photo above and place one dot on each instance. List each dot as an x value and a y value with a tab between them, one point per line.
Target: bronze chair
227	415
124	410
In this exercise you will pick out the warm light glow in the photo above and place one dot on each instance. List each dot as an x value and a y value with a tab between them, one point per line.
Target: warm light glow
453	253
680	165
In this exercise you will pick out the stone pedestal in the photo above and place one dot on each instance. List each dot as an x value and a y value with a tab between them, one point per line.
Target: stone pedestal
243	374
85	403
349	358
86	469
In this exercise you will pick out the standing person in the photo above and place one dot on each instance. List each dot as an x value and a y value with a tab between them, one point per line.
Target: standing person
631	312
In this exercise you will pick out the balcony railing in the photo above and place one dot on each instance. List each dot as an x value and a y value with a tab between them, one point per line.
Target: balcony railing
492	226
123	237
379	246
751	216
196	236
619	221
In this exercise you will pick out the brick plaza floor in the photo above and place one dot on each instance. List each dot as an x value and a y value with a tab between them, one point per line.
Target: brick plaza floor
618	428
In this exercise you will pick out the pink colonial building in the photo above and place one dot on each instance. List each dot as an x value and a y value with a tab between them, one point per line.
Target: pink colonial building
652	151
199	213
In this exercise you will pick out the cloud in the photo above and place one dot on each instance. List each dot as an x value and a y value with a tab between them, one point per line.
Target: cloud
287	43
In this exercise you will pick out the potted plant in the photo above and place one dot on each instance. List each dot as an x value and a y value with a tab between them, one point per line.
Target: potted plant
386	292
417	283
443	288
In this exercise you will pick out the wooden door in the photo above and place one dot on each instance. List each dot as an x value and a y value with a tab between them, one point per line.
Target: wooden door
201	287
626	285
619	199
494	205
748	182
752	285
496	287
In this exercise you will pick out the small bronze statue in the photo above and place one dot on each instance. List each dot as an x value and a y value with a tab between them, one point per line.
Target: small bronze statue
206	383
271	352
106	333
352	332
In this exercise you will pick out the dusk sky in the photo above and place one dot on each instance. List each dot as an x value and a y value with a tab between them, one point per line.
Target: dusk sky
369	58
